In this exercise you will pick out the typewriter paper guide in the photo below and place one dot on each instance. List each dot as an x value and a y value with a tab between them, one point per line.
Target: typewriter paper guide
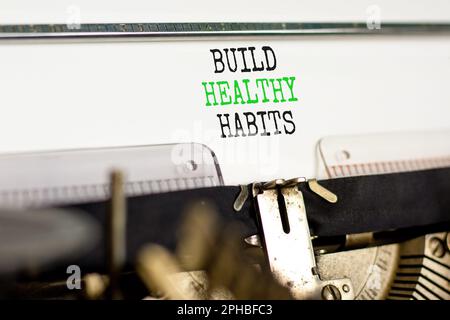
66	95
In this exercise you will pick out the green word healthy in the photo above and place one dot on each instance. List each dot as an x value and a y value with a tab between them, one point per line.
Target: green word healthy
246	91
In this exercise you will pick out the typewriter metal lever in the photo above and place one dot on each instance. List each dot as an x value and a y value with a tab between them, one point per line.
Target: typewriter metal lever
287	243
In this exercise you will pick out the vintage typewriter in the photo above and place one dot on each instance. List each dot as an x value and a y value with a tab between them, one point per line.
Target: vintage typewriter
224	160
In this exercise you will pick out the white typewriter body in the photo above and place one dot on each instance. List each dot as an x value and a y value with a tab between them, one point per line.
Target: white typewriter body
389	90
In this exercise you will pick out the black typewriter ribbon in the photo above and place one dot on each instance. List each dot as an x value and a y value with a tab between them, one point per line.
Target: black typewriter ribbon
366	204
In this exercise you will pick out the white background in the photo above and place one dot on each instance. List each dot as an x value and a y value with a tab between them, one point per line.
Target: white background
79	95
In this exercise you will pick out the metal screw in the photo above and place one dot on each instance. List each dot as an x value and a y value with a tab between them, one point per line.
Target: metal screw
342	155
330	292
437	247
191	165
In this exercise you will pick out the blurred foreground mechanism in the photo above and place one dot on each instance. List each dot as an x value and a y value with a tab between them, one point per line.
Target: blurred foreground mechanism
283	262
209	264
212	261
